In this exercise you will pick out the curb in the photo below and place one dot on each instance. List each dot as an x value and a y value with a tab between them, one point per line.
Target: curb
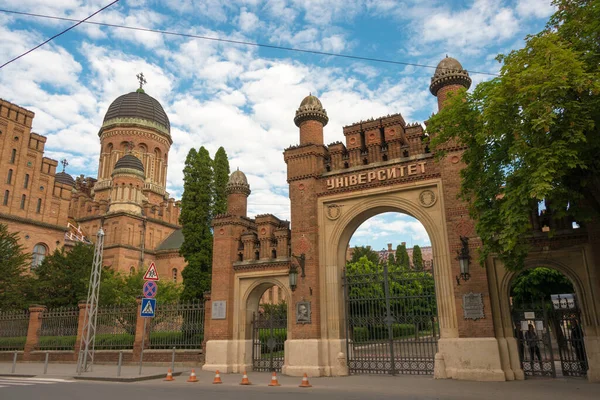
19	375
124	380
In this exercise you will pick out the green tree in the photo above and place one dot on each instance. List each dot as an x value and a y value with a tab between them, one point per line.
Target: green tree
532	134
195	218
364	251
534	284
120	289
221	177
13	264
402	259
417	257
63	277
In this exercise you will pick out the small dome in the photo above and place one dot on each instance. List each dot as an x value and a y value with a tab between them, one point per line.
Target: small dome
129	161
311	109
237	183
449	72
138	105
64	178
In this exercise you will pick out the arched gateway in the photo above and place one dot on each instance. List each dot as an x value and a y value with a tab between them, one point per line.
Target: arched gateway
383	166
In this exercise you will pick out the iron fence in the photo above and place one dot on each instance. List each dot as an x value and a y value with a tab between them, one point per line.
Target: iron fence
115	327
59	329
13	329
179	325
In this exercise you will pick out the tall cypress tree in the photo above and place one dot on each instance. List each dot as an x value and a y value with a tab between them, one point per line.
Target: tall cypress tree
402	259
221	177
417	258
195	217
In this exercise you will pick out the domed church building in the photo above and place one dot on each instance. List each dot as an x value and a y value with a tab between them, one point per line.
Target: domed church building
128	199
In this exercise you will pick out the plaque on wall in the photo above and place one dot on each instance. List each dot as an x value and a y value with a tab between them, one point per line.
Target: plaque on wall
473	306
303	312
219	309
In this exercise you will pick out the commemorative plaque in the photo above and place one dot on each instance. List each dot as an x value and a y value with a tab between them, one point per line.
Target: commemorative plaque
473	306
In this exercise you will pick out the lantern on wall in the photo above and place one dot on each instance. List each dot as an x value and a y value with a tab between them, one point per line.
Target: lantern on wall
463	260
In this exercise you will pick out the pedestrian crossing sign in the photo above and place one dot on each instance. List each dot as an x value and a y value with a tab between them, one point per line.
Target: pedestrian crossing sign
148	307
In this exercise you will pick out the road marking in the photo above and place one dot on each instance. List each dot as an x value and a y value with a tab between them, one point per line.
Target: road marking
16	381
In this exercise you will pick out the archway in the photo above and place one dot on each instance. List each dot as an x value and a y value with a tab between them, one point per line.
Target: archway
546	317
267	325
389	298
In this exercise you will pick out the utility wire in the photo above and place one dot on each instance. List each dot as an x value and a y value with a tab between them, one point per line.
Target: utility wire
188	35
58	34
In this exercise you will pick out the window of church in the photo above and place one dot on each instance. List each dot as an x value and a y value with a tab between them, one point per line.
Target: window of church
26	182
38	209
13	156
6	196
9	177
132	270
39	253
23	199
174	272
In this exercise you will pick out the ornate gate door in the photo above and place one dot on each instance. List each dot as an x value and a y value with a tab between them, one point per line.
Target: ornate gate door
269	332
391	321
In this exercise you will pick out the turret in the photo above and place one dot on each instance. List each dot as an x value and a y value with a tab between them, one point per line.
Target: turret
128	181
237	190
449	76
311	117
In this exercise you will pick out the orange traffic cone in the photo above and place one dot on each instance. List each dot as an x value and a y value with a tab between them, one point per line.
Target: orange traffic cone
274	381
305	382
217	377
169	376
193	377
245	380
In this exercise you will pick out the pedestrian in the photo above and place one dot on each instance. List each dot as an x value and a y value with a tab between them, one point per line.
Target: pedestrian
532	342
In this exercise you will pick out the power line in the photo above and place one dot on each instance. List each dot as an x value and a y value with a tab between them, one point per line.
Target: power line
231	41
58	34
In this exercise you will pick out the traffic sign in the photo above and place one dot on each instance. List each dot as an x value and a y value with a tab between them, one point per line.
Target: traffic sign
148	307
151	274
150	289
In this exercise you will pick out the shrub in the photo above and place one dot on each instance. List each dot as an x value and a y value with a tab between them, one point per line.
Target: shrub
107	341
178	339
280	335
57	342
360	334
13	343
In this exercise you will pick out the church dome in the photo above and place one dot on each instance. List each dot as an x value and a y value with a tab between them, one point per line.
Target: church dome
137	106
311	109
129	161
449	72
238	183
64	178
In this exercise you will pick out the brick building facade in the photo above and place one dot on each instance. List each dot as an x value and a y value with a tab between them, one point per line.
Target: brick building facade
128	198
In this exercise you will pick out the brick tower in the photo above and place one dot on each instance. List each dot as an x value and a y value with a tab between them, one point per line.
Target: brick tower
449	76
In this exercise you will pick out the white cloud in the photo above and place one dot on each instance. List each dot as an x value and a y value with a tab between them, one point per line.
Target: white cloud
535	8
248	21
393	228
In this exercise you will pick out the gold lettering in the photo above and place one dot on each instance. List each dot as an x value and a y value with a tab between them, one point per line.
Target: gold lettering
391	173
330	184
345	181
422	164
353	180
371	176
339	182
412	169
381	174
402	168
362	178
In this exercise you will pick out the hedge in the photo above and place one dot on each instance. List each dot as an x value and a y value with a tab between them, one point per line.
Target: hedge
280	336
380	332
13	343
170	339
107	341
57	342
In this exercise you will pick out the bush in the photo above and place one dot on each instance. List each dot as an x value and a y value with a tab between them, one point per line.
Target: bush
360	334
57	342
178	339
280	336
13	343
380	332
107	341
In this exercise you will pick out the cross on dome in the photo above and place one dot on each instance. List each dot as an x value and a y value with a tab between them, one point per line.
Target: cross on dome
64	163
141	79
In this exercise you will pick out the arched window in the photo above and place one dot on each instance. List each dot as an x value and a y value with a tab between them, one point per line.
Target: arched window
6	196
256	255
174	273
9	176
39	253
240	257
38	209
132	270
23	199
13	156
26	182
273	253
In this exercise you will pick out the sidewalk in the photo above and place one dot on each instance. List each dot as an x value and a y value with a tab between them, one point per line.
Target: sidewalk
407	385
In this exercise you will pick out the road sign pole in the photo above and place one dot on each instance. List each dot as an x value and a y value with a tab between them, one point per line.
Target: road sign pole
143	340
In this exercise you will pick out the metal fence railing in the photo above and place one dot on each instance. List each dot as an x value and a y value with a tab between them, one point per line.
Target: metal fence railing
13	329
115	327
59	329
179	325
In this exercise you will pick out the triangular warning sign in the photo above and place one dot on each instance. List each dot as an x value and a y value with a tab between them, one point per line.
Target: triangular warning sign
148	309
151	274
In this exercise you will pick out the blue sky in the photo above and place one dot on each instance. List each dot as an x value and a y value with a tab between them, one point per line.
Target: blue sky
244	98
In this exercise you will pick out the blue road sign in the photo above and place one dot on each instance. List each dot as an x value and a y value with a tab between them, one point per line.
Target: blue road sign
148	307
150	289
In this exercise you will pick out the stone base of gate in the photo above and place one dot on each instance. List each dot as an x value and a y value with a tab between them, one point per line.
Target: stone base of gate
228	356
315	357
592	349
473	359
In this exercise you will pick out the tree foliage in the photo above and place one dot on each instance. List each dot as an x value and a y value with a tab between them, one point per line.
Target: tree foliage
14	261
531	134
417	258
221	177
402	259
534	284
359	252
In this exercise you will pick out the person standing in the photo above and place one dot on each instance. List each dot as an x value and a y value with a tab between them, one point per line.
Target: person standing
532	342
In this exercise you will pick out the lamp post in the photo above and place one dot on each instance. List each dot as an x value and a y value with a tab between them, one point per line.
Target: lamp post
463	260
294	270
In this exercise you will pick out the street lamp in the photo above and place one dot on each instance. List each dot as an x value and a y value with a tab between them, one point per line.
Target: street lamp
294	270
463	260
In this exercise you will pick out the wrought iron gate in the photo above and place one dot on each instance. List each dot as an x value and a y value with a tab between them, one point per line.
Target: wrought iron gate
269	332
391	321
550	338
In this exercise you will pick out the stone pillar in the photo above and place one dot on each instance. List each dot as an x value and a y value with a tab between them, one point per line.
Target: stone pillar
33	330
83	307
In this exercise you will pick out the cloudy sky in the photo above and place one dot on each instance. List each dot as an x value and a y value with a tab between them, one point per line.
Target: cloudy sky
244	97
